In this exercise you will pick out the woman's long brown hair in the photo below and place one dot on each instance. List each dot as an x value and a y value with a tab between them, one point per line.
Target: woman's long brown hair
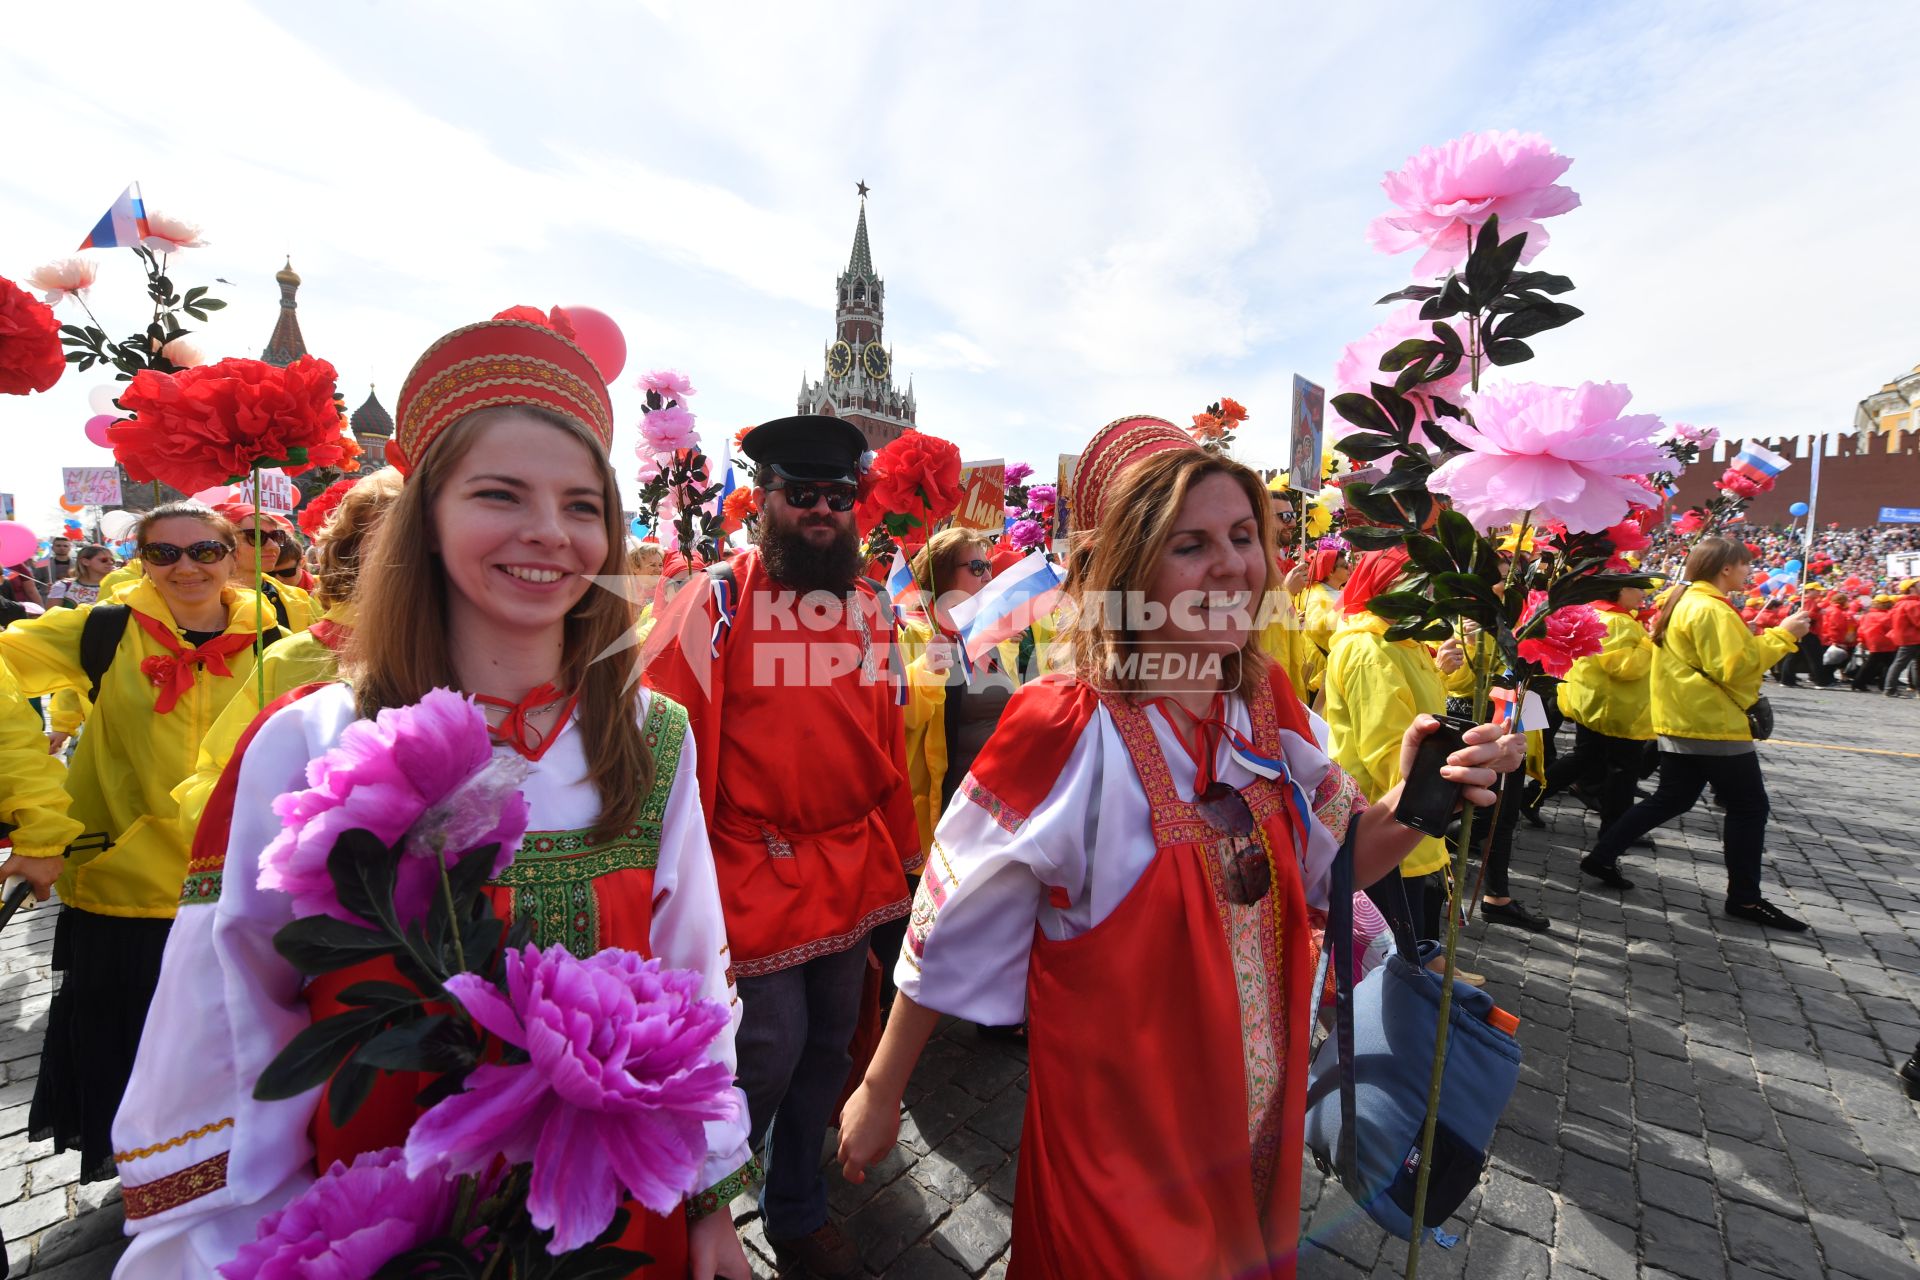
1709	558
400	646
1120	557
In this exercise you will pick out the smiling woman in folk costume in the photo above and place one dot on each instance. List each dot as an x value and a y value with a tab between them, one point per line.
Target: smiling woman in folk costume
478	580
178	645
1140	849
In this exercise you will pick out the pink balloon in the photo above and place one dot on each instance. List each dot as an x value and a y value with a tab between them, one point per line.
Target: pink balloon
18	543
97	429
595	333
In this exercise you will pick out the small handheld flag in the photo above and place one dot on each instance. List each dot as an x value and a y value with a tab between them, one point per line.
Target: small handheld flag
1008	605
901	588
123	226
1757	462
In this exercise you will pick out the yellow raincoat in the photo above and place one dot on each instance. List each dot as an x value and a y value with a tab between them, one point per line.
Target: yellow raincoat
1322	615
290	662
1284	640
133	854
1706	634
1611	692
35	786
1375	688
926	719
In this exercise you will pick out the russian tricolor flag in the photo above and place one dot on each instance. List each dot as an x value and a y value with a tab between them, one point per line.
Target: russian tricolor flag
1757	462
122	227
1009	604
901	588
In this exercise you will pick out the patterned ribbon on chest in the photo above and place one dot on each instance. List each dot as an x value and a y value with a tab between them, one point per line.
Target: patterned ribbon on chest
173	672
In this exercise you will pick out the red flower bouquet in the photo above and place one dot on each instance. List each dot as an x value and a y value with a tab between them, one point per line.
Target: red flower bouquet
314	516
915	483
30	354
212	424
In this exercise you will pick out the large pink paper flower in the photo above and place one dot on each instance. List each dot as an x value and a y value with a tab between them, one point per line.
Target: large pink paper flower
1445	193
168	234
1701	438
1550	453
1027	534
427	772
670	429
670	383
1359	364
349	1223
613	1098
1572	633
63	278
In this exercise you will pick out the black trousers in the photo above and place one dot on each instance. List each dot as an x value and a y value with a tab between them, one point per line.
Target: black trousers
1742	791
1873	671
1813	652
1505	819
1607	767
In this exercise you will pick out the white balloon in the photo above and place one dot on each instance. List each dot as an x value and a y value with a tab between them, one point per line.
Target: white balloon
101	398
116	525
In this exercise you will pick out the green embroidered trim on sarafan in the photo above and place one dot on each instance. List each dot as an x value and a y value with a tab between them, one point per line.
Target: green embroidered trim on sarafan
722	1193
552	876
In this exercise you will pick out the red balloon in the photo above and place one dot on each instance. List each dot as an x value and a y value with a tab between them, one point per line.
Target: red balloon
97	429
595	333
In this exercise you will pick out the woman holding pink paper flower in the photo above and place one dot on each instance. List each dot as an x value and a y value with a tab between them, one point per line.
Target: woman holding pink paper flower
579	1071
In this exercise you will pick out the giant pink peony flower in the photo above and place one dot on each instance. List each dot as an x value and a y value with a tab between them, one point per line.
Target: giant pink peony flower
168	234
428	773
349	1223
670	383
63	278
1359	364
1447	192
613	1098
1572	633
1550	453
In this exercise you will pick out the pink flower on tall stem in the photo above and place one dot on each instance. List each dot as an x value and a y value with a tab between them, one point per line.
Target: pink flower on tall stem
63	278
1359	364
1701	438
168	234
670	383
351	1222
1027	534
669	430
1549	453
1017	472
426	774
1444	194
1042	497
1742	485
614	1095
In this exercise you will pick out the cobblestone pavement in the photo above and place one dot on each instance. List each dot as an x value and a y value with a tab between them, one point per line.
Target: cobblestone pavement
1700	1099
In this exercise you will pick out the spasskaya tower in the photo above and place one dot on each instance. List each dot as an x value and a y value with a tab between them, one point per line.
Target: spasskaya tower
859	385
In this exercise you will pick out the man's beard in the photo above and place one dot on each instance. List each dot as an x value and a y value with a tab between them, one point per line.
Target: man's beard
802	566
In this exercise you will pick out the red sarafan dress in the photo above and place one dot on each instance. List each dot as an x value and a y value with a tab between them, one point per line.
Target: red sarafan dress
202	1161
1074	883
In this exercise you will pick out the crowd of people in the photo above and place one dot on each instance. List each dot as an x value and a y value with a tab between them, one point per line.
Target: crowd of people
1121	862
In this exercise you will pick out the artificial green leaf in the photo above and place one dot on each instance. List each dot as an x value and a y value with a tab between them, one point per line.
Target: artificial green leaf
322	944
1508	351
1366	448
1362	412
1412	293
437	1042
311	1056
1400	604
1371	537
1398	408
1398	356
1463	542
1428	555
1544	281
349	1089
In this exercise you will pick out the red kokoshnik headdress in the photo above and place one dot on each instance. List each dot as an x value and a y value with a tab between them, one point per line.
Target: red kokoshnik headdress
492	364
1113	448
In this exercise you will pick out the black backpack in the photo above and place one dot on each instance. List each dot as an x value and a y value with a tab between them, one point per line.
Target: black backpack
100	639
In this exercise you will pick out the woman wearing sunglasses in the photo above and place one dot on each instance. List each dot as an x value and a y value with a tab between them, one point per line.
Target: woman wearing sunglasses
478	580
187	646
91	563
1130	866
294	607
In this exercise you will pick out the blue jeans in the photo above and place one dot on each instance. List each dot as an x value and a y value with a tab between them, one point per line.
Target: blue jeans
796	1026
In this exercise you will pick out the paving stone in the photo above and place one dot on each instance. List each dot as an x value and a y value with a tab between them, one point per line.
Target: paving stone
1509	1203
1771	1242
1593	1244
959	1166
975	1233
1861	1251
76	1236
1682	1246
1677	1193
924	1262
1755	1176
893	1220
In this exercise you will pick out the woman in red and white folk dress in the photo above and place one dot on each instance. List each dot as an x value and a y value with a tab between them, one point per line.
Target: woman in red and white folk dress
478	580
1133	865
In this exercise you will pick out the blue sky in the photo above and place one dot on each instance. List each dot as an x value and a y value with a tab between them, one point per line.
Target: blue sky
1080	210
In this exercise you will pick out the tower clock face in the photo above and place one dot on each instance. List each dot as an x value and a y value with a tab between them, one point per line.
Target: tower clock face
839	360
875	359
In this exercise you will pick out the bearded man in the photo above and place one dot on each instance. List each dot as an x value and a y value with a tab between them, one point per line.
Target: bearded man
781	659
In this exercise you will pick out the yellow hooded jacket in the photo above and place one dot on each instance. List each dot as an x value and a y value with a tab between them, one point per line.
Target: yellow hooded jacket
1323	615
1283	640
1611	692
926	718
1375	688
1708	668
289	663
36	782
133	854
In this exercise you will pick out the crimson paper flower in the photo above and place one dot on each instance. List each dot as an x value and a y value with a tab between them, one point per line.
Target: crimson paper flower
916	475
1572	633
30	354
210	425
313	516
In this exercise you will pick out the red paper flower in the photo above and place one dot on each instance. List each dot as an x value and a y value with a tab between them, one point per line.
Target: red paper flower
1207	427
211	424
30	354
915	476
555	320
1741	485
1232	412
313	516
1572	633
1689	524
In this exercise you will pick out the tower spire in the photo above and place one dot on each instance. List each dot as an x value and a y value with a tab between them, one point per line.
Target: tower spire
286	345
861	261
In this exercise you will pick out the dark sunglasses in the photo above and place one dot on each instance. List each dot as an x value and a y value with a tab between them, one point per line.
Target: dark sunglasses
801	497
287	575
1248	877
978	568
165	553
276	536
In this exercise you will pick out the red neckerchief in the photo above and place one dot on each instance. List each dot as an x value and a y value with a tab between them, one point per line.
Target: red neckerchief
1608	606
334	635
173	673
512	731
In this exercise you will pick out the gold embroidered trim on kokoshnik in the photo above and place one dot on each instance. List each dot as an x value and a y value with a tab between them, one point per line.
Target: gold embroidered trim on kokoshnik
552	876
